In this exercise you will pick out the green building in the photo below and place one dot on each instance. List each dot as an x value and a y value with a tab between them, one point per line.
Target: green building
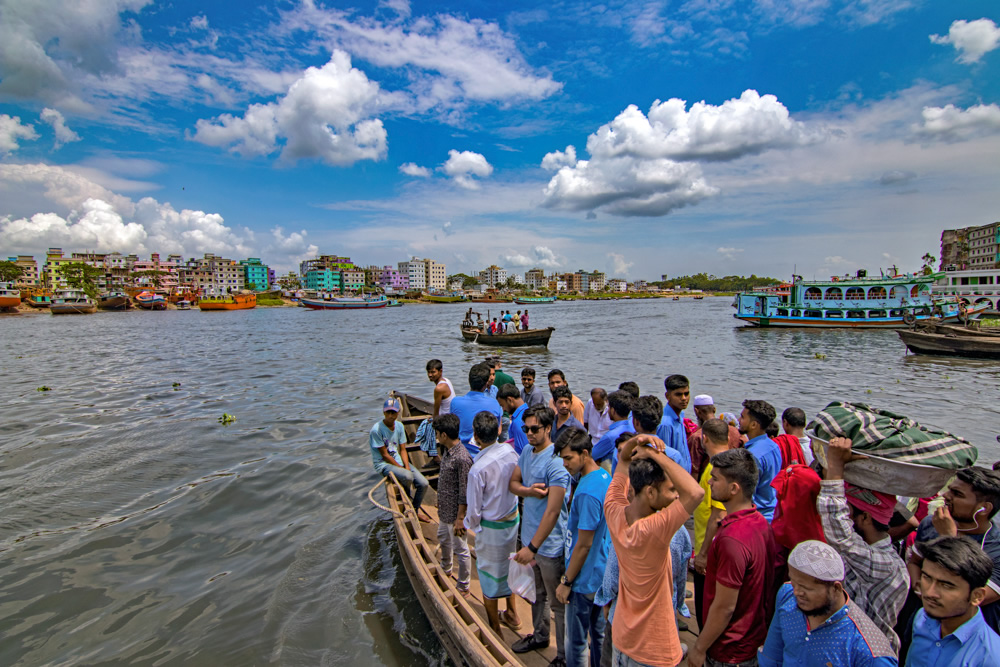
255	272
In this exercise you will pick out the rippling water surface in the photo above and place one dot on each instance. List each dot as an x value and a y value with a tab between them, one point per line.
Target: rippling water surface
137	529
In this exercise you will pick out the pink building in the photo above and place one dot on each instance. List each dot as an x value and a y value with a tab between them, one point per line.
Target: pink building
392	279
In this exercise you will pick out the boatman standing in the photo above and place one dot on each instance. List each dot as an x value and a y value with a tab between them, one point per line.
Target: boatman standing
475	401
444	391
387	441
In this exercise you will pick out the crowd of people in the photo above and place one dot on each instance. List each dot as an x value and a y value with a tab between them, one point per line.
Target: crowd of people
790	564
504	324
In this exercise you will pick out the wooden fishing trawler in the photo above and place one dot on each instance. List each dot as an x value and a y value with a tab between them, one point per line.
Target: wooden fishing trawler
10	297
435	297
72	302
532	300
949	340
242	301
529	338
345	303
114	300
151	301
859	302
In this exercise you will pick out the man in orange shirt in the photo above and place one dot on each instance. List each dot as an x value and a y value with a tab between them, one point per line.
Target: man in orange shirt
644	630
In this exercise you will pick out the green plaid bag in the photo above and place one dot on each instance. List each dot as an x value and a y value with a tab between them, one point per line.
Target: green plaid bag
893	436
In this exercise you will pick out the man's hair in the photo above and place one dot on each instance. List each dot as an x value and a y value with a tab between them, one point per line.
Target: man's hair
795	417
738	465
676	382
643	472
576	439
621	402
508	391
648	410
960	556
623	438
447	424
985	484
630	388
435	365
761	412
599	391
542	413
479	377
556	371
561	391
528	371
492	362
716	430
485	427
772	430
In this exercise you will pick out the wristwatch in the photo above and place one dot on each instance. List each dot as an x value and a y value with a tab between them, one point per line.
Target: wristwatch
565	582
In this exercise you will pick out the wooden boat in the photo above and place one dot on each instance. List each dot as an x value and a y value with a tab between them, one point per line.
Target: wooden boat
345	303
528	338
242	301
532	300
72	302
442	298
10	297
982	346
488	299
114	301
393	303
39	300
183	304
698	298
460	623
151	301
676	298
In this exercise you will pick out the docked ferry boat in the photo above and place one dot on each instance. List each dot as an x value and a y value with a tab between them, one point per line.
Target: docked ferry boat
974	287
886	302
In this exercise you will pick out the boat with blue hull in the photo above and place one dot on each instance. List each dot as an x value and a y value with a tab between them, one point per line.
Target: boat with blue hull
859	302
346	303
533	300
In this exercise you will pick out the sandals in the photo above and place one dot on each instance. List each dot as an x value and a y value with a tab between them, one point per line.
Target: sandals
505	621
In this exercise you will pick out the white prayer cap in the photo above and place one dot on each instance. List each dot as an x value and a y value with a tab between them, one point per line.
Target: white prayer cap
703	399
817	559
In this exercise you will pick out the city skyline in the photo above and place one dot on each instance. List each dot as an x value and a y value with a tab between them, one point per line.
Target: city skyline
636	139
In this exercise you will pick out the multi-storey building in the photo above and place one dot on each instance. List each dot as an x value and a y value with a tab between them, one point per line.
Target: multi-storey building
535	279
971	247
392	279
435	275
492	275
352	279
617	285
52	276
29	270
322	279
255	273
597	281
415	271
214	275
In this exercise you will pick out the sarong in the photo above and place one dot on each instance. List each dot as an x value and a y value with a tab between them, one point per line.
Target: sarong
494	545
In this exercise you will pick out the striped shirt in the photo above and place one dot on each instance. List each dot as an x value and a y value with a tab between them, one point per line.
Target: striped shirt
875	576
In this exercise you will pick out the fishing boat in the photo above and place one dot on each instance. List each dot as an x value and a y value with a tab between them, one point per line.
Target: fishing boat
442	298
532	300
859	302
952	342
698	298
529	338
72	302
151	301
183	304
242	301
10	297
459	622
114	300
489	299
393	303
345	303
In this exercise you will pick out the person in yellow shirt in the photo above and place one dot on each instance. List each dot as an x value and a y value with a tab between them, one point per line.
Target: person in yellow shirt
710	512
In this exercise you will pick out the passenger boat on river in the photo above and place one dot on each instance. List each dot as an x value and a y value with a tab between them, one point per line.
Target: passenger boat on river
533	300
346	303
10	297
529	338
859	302
243	301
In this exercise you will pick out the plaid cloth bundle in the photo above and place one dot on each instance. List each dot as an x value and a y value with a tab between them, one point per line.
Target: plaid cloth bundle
893	436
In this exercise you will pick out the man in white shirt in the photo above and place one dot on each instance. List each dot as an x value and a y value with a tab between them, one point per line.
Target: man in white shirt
596	419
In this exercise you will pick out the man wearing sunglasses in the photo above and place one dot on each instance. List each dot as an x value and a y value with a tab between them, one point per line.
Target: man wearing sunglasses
542	480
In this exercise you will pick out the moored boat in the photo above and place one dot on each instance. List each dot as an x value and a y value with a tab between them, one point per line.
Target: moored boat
529	338
393	303
39	300
951	344
886	302
242	301
183	304
72	302
151	301
114	300
345	303
442	298
10	297
532	300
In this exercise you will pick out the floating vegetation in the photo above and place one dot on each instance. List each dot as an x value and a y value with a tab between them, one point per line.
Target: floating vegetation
176	384
819	355
226	419
44	388
868	391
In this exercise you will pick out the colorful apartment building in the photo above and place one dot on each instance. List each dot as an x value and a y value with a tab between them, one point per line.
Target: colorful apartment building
29	270
255	274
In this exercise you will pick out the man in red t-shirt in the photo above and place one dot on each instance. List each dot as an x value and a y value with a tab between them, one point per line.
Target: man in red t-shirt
740	569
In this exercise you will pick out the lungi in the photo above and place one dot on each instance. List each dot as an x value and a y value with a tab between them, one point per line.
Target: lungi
494	544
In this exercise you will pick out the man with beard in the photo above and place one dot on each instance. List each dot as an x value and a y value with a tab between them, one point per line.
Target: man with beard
950	631
754	420
815	623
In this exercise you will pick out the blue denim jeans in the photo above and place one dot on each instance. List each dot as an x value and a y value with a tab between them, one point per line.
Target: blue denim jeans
583	618
622	660
410	478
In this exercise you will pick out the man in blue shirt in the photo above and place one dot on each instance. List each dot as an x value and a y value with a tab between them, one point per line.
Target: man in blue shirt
387	442
754	420
563	399
541	479
588	548
510	400
471	404
671	429
815	624
619	409
950	630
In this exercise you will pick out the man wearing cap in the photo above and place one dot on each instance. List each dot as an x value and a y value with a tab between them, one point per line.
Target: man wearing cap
704	409
856	524
816	623
387	441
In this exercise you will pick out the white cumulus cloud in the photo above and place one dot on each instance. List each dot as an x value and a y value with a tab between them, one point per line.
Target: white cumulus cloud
972	39
949	123
64	135
413	169
558	159
326	114
729	252
465	167
539	256
618	265
12	132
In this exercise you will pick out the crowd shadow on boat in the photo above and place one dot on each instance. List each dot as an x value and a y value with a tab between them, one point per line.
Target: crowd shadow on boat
401	632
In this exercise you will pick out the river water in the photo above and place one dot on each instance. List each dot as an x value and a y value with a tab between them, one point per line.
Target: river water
136	529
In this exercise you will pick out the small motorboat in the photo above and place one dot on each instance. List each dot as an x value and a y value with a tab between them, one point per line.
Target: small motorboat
183	304
151	301
72	302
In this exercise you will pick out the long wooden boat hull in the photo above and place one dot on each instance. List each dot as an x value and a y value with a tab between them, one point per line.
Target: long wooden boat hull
36	303
434	298
235	302
73	308
10	301
114	303
532	302
157	304
315	304
846	323
977	347
530	338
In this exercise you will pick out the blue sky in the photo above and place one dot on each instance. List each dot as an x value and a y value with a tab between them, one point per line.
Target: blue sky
638	138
